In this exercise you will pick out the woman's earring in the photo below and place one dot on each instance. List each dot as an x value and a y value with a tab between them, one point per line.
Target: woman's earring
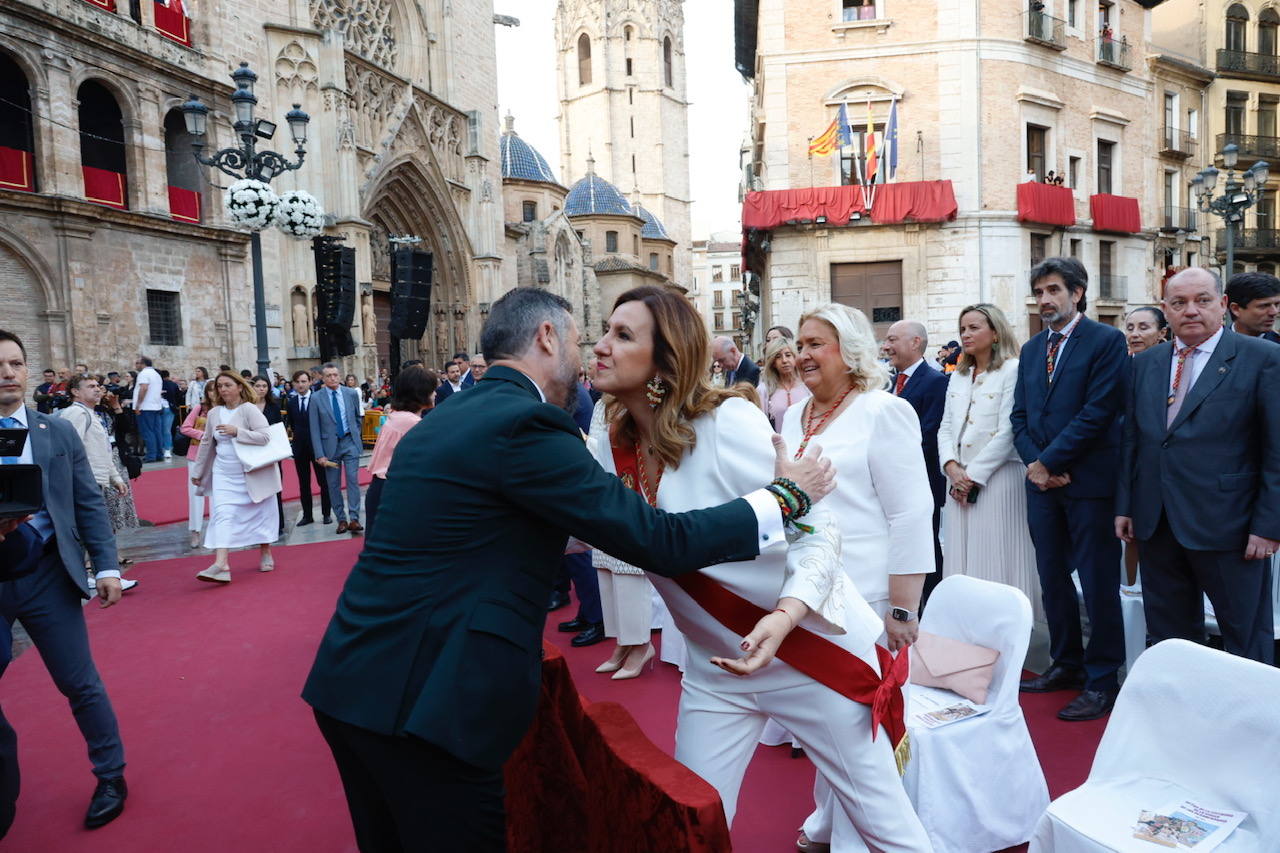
655	390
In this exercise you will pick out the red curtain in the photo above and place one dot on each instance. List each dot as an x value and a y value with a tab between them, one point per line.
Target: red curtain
172	23
109	5
1115	213
184	205
1046	204
104	187
17	169
919	201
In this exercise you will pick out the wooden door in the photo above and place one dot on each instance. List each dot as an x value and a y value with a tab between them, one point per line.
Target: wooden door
875	289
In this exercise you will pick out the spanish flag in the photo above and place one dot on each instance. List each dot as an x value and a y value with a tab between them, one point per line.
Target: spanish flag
828	142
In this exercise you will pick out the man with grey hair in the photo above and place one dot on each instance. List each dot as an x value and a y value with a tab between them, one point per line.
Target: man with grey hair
429	673
736	366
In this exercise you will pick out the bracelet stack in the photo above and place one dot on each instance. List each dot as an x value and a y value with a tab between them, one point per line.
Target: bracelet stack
792	500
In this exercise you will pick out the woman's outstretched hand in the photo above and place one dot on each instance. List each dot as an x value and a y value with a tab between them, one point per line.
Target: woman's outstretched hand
812	473
760	646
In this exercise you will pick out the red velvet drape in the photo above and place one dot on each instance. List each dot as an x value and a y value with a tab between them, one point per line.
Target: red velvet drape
184	205
17	169
1046	204
172	23
1115	213
109	5
104	187
919	201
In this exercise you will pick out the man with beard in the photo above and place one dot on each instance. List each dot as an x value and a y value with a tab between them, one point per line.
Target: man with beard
1066	428
428	675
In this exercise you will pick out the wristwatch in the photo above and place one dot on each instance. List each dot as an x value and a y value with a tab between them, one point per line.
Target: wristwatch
902	615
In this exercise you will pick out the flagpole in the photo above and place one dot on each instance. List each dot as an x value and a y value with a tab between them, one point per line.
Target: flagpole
810	149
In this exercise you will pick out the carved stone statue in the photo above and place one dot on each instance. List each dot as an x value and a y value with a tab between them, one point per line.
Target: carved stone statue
301	332
368	322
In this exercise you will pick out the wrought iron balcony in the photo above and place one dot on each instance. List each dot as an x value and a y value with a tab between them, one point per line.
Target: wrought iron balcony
1178	219
1113	286
1252	147
1044	29
1113	54
1177	143
1239	63
1256	241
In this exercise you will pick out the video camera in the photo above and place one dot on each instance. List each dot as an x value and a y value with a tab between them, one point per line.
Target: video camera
21	486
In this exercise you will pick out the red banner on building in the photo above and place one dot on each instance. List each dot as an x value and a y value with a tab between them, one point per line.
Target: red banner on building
1046	204
916	201
109	5
184	205
17	170
171	22
104	187
1115	213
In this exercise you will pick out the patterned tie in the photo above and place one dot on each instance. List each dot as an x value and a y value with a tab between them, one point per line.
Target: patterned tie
1055	341
9	423
898	383
1179	392
337	414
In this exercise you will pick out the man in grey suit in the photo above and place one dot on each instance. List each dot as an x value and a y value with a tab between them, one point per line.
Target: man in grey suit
335	437
47	593
1200	473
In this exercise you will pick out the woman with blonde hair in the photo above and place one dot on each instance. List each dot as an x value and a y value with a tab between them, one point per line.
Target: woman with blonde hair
780	386
243	507
985	530
682	443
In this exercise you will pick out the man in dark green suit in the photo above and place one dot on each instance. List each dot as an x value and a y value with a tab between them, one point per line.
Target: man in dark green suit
428	675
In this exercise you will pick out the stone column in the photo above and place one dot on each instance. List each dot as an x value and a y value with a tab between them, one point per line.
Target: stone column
81	275
58	146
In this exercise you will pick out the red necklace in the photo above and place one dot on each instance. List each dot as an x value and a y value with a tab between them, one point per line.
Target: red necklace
810	427
650	495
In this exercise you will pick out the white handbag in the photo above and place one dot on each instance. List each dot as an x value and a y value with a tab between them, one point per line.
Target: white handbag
277	449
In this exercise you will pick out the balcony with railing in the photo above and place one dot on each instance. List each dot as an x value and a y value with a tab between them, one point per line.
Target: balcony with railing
1113	286
1177	143
1251	241
1114	54
1252	147
1047	30
1255	66
1178	218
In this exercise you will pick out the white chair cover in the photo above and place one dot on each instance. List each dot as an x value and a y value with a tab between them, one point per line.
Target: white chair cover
977	785
1191	723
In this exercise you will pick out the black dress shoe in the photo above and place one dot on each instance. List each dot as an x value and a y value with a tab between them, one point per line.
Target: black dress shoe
305	521
1089	705
558	600
574	625
107	803
328	519
589	637
1054	678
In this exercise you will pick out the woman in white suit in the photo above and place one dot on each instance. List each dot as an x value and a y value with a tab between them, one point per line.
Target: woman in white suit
684	444
242	503
984	527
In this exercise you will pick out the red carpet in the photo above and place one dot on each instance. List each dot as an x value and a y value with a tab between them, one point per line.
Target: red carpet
223	755
161	493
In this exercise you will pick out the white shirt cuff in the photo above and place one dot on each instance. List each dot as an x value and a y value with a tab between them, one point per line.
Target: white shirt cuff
768	519
107	573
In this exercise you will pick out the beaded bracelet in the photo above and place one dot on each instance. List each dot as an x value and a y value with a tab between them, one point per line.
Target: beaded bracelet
789	502
804	504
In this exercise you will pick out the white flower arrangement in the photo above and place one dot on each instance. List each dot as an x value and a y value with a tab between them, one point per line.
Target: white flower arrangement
251	203
299	214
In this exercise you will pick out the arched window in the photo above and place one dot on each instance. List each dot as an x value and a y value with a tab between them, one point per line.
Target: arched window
611	241
1237	23
667	73
627	33
1268	21
17	141
182	169
102	155
584	59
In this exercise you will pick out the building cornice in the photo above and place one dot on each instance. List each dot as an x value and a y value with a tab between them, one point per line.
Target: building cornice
88	215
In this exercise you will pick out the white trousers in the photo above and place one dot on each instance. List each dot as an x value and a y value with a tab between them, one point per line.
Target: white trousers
717	733
624	601
195	507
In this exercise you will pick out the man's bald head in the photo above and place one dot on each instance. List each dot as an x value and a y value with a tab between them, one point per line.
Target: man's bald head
905	343
1197	276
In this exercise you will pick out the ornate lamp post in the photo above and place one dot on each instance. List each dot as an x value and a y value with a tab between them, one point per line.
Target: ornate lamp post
1238	195
245	161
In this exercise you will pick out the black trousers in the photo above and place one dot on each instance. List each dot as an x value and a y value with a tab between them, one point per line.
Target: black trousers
409	796
9	776
1174	578
931	581
304	464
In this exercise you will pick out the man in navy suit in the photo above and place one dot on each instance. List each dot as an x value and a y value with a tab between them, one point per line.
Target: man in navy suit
925	389
1200	484
1253	299
1071	379
463	360
298	413
736	366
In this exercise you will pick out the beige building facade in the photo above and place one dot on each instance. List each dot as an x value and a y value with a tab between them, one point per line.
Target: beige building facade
718	287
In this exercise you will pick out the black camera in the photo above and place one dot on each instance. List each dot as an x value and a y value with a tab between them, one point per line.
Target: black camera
21	486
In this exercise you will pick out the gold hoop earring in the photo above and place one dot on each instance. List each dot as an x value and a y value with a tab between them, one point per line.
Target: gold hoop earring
655	390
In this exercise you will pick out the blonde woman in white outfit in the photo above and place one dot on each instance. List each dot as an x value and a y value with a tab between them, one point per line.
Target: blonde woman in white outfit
685	444
988	537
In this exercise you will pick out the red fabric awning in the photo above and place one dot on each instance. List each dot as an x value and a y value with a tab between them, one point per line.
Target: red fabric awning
1046	203
184	204
1115	213
917	201
104	187
17	170
172	23
109	5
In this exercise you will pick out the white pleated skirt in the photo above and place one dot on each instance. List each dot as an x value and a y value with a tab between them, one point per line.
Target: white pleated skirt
235	521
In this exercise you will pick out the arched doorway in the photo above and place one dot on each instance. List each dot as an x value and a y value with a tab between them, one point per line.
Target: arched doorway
23	316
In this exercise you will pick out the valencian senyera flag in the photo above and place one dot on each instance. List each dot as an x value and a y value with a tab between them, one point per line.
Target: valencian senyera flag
871	146
824	145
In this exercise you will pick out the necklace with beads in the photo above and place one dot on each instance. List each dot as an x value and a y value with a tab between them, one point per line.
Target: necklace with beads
650	495
813	424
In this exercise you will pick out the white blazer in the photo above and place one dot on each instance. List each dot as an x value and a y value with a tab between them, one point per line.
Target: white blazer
976	430
733	456
251	428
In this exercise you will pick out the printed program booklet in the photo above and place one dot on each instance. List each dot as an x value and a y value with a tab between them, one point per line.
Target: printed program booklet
1187	826
931	707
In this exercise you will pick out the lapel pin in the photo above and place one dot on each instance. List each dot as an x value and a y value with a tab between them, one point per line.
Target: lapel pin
44	426
1221	370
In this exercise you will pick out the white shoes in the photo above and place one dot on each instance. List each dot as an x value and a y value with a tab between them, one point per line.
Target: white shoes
214	574
168	454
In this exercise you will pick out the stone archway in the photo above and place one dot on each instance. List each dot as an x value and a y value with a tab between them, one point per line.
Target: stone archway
23	297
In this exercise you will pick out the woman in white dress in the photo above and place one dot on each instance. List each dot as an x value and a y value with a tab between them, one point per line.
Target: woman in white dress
780	387
684	444
984	529
243	511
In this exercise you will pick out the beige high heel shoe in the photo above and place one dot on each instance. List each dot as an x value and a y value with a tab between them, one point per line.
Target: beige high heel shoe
614	663
634	667
215	574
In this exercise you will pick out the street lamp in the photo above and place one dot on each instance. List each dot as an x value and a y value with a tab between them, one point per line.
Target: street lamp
1237	197
245	161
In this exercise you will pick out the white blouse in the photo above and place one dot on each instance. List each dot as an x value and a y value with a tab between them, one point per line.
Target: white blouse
976	430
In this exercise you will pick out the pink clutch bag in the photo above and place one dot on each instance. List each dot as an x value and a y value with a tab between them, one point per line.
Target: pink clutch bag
953	665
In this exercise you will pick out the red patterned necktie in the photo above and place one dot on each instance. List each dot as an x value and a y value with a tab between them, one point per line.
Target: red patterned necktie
898	383
1055	341
1179	391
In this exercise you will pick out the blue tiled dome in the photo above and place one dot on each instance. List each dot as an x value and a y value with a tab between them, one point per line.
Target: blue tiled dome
520	160
653	227
594	195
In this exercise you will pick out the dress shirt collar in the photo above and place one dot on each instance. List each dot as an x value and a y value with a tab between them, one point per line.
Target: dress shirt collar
20	415
1207	347
1069	328
912	369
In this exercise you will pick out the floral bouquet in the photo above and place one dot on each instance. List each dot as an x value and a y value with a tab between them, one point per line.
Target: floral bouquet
251	203
299	214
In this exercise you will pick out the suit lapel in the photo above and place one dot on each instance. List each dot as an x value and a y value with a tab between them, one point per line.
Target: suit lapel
1157	395
1210	378
1041	377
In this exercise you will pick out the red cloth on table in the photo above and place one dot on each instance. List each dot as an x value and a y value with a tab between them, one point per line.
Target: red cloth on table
17	171
172	23
1115	213
920	201
184	204
104	187
586	778
1046	204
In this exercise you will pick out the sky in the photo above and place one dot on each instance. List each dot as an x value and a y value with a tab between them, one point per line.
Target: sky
718	99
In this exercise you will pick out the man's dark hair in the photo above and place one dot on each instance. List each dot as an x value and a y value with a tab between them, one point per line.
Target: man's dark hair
146	362
412	389
1244	287
462	355
224	368
1073	275
114	373
164	374
49	370
247	374
413	362
10	336
298	373
515	318
74	382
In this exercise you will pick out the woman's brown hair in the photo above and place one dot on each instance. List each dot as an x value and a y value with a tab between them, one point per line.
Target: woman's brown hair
247	394
681	352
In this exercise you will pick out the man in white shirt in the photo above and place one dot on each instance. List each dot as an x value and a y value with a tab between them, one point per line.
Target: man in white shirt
148	403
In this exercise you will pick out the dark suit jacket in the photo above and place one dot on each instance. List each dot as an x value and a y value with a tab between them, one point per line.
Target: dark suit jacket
1216	472
444	391
926	391
747	372
1072	425
300	426
438	631
468	380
